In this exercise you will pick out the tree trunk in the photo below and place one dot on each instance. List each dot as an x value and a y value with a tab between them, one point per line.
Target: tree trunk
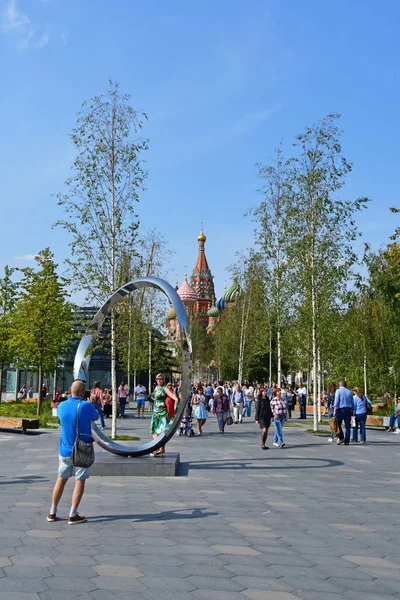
278	349
40	384
54	384
365	373
319	386
270	357
241	343
113	379
314	349
150	343
129	342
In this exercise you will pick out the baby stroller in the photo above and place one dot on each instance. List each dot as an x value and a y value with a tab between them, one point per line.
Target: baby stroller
186	425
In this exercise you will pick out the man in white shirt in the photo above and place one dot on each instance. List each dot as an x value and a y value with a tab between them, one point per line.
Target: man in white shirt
248	392
140	396
302	395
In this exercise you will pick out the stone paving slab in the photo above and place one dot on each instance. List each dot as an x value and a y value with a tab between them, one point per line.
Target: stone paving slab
314	521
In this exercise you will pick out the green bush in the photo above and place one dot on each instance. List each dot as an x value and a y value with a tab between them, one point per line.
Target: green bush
28	410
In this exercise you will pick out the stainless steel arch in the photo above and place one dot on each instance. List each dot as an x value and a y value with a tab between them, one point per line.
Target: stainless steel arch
84	350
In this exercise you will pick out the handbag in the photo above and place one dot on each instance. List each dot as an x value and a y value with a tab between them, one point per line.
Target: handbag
83	448
334	426
368	406
229	420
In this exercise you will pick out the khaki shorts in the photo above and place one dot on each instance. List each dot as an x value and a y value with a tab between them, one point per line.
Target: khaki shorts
66	469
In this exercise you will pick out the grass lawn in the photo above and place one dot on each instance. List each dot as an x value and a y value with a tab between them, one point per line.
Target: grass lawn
126	438
19	409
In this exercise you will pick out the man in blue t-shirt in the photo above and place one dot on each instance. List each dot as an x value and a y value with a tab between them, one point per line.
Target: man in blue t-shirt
67	413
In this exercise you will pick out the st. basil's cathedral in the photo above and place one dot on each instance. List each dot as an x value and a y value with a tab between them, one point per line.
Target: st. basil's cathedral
198	297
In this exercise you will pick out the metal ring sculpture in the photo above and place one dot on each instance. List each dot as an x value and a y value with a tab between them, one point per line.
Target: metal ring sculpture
84	351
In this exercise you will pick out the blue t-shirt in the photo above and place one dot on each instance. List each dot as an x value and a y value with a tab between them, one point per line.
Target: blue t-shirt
67	416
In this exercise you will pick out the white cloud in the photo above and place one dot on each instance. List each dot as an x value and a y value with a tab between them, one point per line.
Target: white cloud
13	18
15	22
42	42
64	37
25	257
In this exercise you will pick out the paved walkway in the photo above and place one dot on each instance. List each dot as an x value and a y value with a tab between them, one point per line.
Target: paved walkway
313	521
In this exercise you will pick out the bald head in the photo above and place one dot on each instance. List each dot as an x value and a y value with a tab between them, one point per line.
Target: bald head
78	389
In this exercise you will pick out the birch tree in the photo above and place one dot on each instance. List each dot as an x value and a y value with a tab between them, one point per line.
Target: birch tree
101	197
274	238
324	224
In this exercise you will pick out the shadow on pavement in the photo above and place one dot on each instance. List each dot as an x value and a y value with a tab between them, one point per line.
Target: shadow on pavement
247	464
169	515
23	479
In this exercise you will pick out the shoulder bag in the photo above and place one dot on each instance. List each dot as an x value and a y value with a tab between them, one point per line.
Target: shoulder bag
83	449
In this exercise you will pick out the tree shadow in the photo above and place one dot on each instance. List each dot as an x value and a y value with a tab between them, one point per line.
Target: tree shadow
241	464
169	515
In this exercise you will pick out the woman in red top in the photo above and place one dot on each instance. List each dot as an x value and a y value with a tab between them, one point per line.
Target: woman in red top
169	402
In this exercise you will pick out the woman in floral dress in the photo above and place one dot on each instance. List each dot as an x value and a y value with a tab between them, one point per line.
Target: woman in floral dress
200	411
160	419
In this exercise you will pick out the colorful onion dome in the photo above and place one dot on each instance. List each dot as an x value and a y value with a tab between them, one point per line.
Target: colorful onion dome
220	304
213	312
201	237
171	314
187	293
232	293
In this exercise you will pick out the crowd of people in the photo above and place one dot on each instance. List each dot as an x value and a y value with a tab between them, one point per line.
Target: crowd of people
230	403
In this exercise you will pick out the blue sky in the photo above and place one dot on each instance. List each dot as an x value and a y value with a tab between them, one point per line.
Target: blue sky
223	82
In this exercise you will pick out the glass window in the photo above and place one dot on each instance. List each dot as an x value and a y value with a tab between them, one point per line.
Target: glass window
11	380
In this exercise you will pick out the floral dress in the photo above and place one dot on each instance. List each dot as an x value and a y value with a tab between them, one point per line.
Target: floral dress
200	411
160	418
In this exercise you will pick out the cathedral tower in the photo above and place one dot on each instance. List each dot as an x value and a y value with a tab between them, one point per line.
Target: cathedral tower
202	281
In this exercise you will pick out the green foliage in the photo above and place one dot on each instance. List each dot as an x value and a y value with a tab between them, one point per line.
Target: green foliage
101	197
8	298
28	410
42	320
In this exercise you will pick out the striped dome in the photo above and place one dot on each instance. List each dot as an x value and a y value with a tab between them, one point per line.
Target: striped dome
220	305
171	314
187	293
213	312
232	294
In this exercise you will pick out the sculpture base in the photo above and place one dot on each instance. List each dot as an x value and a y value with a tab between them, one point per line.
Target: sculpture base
111	465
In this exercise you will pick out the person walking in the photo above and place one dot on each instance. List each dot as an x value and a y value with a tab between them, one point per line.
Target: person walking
237	400
278	407
200	412
395	417
96	398
289	401
140	397
263	416
209	391
107	403
248	393
330	405
343	411
302	395
123	394
360	414
160	419
73	409
221	408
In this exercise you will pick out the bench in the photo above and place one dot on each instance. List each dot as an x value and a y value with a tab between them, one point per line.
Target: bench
18	423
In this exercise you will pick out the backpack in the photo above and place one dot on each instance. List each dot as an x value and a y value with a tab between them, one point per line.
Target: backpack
93	398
